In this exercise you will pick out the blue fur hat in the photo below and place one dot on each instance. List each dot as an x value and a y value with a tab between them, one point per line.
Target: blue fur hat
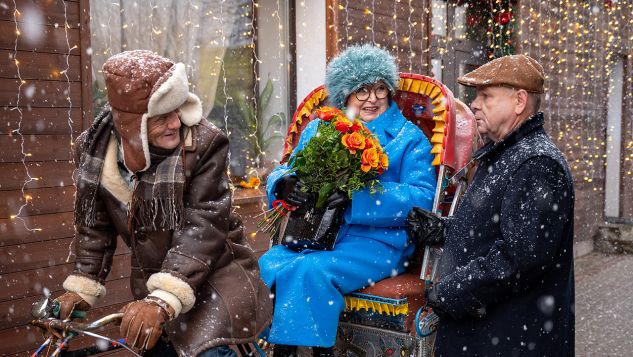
356	66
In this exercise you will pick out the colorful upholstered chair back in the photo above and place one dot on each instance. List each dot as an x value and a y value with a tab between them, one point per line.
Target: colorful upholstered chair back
382	317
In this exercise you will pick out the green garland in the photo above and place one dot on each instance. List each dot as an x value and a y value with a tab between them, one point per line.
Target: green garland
492	22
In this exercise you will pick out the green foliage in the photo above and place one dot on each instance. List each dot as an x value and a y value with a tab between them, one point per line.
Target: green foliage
253	127
325	165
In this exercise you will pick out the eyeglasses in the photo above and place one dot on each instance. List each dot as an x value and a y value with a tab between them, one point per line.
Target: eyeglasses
380	90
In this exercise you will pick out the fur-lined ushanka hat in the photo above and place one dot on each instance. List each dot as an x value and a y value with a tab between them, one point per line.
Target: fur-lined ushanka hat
140	85
357	66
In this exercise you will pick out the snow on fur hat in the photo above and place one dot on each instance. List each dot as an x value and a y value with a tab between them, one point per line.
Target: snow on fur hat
357	66
140	85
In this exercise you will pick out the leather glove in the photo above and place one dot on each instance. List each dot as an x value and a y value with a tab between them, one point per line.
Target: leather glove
288	188
69	302
425	227
143	321
337	199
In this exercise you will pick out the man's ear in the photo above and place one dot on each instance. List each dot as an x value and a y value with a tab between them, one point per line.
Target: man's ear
521	101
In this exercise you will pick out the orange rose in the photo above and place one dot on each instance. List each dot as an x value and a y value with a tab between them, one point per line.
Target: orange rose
369	159
377	145
369	143
353	142
383	163
327	113
342	124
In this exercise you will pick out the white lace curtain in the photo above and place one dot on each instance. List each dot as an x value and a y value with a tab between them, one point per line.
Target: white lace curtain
195	32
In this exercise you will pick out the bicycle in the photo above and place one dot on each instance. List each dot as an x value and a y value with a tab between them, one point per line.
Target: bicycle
61	332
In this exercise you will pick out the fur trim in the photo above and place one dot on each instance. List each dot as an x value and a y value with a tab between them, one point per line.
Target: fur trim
91	300
145	142
356	66
169	298
111	178
84	286
171	94
191	110
175	286
174	94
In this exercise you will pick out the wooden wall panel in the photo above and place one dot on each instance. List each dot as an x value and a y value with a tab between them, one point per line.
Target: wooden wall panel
55	105
20	258
41	121
43	174
36	148
36	228
27	338
42	12
18	312
39	93
21	285
49	39
41	201
34	65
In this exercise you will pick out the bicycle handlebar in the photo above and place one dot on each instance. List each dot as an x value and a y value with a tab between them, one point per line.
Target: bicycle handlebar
77	327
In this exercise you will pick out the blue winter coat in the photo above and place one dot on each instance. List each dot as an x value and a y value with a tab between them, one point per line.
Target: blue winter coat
409	181
507	276
371	245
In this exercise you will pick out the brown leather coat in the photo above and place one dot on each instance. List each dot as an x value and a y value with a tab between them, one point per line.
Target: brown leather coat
232	305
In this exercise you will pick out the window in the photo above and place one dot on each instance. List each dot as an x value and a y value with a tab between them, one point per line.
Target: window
243	90
458	43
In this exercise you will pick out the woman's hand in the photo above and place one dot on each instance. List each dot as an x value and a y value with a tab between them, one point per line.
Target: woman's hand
288	188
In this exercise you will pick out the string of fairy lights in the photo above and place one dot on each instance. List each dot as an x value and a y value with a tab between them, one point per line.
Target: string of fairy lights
21	82
575	40
567	36
578	43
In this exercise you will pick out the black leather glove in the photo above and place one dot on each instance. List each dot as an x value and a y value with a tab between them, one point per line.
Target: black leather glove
425	227
338	198
288	188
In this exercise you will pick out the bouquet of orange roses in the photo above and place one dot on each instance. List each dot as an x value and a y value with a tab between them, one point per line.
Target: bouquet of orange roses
343	155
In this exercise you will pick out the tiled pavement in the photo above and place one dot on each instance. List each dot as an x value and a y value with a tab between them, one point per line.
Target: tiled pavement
604	305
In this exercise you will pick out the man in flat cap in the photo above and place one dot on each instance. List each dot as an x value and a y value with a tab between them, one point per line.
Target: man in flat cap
506	284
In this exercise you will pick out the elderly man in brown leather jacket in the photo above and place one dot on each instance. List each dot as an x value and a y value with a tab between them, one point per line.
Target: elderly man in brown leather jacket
154	172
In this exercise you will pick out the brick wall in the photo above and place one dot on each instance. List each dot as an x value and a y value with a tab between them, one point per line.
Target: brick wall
402	27
573	40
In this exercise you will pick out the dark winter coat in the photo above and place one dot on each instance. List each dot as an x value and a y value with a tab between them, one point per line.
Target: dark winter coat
207	258
506	276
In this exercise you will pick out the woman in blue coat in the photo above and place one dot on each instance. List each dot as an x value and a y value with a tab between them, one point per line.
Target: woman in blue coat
372	243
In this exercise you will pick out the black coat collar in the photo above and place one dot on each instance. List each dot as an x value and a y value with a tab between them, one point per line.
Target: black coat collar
533	123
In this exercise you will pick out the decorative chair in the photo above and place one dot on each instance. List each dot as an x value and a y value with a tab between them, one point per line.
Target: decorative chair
384	319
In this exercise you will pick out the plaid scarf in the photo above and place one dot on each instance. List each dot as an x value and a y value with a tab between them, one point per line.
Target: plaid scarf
157	201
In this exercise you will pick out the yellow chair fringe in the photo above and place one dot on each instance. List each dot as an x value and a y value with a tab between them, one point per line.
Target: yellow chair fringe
356	304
